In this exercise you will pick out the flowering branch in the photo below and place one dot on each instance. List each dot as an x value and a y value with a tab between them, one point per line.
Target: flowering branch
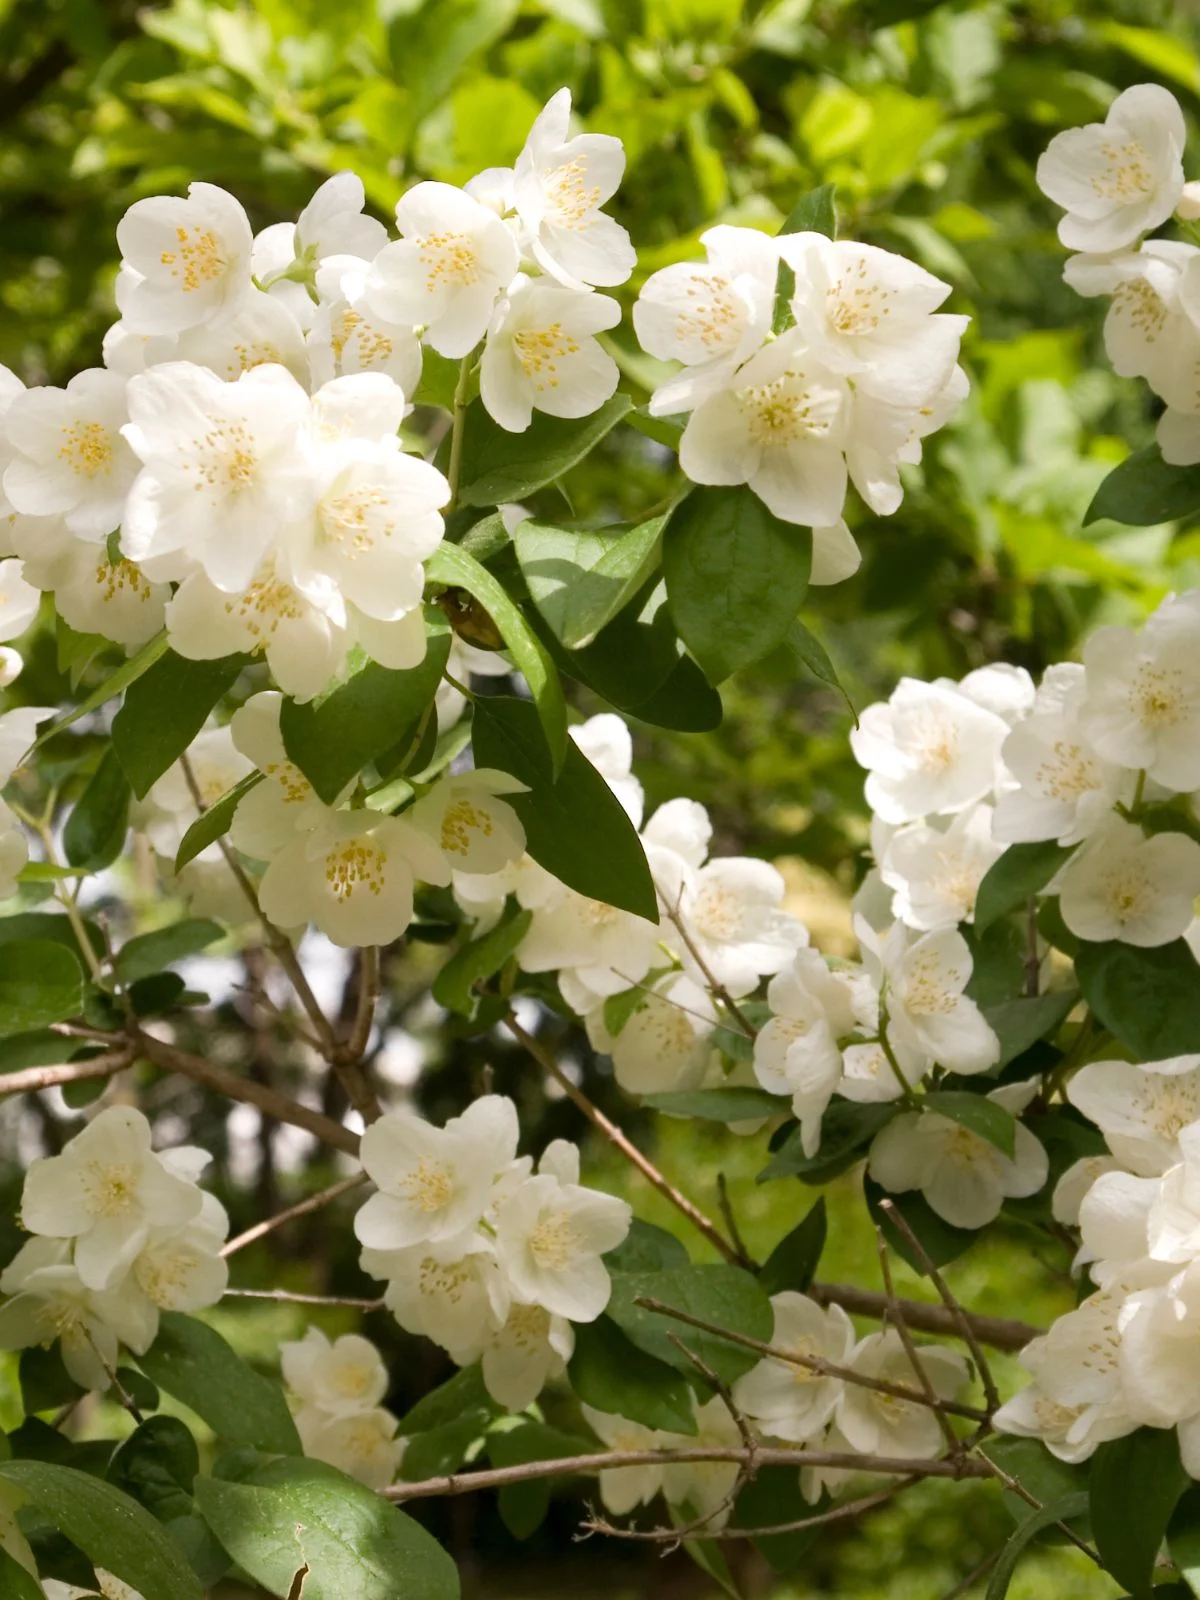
32	1079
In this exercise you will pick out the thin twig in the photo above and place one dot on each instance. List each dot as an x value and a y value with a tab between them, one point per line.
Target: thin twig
306	1299
852	1508
1001	1333
896	1318
302	1208
726	1206
827	1369
32	1079
715	986
346	1058
627	1148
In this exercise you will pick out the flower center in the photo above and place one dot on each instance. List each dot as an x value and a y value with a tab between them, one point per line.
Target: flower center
569	195
87	449
1069	773
1128	175
1156	696
197	260
450	260
461	823
540	350
553	1242
110	1188
712	315
357	865
347	521
429	1186
784	410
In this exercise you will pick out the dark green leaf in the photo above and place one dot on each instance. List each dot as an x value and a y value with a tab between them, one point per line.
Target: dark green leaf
1037	1522
574	825
998	970
814	212
40	982
809	649
580	578
465	1391
845	1132
1183	1540
769	1500
158	1464
1145	490
450	564
112	1530
96	828
331	742
150	952
1042	1475
48	925
215	822
38	1049
645	1248
976	1112
441	1450
609	1372
736	576
684	701
718	1105
125	675
16	1583
793	1262
165	708
523	1506
499	466
724	1296
1012	881
454	986
192	1362
939	1239
294	1514
45	1382
1020	1023
1149	998
1135	1485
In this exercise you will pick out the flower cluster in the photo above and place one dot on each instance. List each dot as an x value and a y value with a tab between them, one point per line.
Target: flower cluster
339	1389
1128	1355
864	368
1117	180
482	1253
120	1233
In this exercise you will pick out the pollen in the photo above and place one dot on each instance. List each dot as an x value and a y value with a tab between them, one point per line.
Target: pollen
856	305
451	260
539	352
717	913
348	522
571	199
1142	306
429	1186
1156	695
110	1187
929	988
265	605
226	459
554	1243
1128	175
114	578
711	314
445	1280
1068	773
357	865
462	823
196	260
350	329
784	410
87	449
528	1327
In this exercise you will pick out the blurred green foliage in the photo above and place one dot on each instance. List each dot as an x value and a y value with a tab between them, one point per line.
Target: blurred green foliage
929	118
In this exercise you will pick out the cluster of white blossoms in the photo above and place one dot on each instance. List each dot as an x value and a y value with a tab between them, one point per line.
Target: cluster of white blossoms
1129	1355
786	1403
120	1233
339	1389
487	1256
235	468
866	367
1117	180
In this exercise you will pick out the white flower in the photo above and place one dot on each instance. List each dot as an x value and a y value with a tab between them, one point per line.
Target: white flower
50	1301
475	830
520	1358
936	872
273	812
1122	885
1071	1418
1118	178
1178	436
348	337
559	186
881	438
107	1190
19	600
1160	1335
701	1486
263	332
790	1401
1169	1218
1141	707
1072	1188
361	1443
596	948
68	457
666	1043
835	554
353	875
879	1424
606	742
927	1009
624	1488
453	259
434	1183
709	315
797	1050
550	1237
542	354
779	426
872	315
339	1378
732	911
929	750
1140	1109
182	1269
1114	1224
331	224
962	1175
91	593
221	461
185	261
1147	332
452	1292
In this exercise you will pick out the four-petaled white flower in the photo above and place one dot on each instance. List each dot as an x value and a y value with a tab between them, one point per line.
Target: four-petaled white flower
341	1376
1140	1109
797	1051
550	1237
542	354
476	830
789	1400
880	1424
928	749
936	872
68	457
185	261
928	1010
1122	885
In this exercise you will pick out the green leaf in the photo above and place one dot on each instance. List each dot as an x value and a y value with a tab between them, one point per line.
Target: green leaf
1059	1511
1012	880
718	1105
192	1362
736	577
941	1241
158	1464
725	1296
1149	998
499	466
165	708
125	675
977	1113
295	1514
580	578
151	952
454	986
793	1262
768	1500
684	701
215	821
1136	1483
523	1506
574	825
16	1583
809	650
1183	1539
40	983
1145	490
49	925
1042	1475
333	741
112	1530
95	830
439	1451
465	1391
609	1372
846	1130
814	212
45	1382
1020	1023
646	1248
450	564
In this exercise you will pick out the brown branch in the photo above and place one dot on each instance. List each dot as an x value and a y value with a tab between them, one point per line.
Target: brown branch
269	1101
896	1318
606	1460
346	1057
827	1369
306	1299
626	1146
32	1079
852	1508
1001	1333
302	1208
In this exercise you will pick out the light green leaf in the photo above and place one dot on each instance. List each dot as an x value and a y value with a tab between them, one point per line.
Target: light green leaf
128	672
579	579
40	983
1020	1023
165	708
151	952
454	986
95	830
1014	878
499	466
718	1105
215	822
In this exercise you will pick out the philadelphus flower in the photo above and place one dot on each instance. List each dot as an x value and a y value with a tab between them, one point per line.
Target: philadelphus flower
475	830
879	1424
347	337
664	1044
542	355
936	872
622	1489
1119	178
1140	1109
551	1236
340	1418
787	1401
68	456
1149	330
520	1358
285	803
701	1486
797	1051
183	261
928	1012
1122	885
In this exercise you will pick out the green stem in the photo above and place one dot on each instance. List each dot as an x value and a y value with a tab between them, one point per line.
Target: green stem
911	1100
458	423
